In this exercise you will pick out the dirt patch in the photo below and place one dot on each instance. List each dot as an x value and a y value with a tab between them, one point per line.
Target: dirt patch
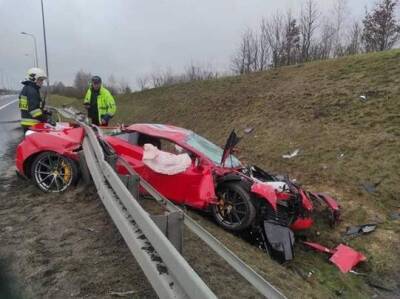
63	246
66	245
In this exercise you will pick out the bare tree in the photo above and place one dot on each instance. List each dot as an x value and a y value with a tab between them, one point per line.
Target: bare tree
246	59
274	32
124	86
238	60
340	11
112	85
325	46
165	78
353	45
291	42
81	81
195	72
264	50
308	24
157	80
143	82
381	29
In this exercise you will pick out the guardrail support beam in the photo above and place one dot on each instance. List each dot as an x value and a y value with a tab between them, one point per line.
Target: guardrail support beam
171	224
85	173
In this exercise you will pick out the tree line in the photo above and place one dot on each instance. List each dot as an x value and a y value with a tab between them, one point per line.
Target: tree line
281	39
81	84
285	39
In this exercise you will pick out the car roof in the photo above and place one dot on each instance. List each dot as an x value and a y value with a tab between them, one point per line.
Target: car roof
161	131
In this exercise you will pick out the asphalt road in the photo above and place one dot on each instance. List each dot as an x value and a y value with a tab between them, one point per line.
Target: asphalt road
10	132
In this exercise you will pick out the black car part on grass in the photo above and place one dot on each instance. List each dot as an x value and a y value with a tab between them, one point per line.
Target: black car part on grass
271	230
358	230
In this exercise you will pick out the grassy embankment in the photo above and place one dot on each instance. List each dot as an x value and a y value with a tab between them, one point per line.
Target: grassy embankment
343	141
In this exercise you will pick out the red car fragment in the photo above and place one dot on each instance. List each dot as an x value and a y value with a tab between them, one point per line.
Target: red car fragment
344	257
265	191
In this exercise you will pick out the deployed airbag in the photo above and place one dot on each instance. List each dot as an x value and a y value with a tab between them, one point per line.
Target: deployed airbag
164	162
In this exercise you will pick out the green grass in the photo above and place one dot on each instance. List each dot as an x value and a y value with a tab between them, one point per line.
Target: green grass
314	107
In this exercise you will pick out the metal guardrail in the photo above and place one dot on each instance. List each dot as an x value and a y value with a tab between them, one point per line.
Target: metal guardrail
170	275
255	279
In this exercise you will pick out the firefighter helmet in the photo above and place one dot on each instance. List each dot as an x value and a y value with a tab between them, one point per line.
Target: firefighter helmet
35	73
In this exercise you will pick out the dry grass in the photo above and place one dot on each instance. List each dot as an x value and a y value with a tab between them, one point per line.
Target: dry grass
315	107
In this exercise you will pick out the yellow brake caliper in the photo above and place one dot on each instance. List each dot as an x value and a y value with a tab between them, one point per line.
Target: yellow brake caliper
67	172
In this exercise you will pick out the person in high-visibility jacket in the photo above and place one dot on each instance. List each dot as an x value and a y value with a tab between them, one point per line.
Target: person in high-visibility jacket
30	101
99	103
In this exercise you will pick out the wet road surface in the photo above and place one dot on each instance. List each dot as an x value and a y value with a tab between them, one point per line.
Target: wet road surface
10	131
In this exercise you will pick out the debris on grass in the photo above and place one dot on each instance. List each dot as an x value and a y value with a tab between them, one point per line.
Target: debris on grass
363	98
358	230
344	257
395	215
291	155
122	294
369	187
357	273
248	130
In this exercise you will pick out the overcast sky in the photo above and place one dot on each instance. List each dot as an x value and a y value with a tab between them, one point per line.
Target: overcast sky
131	38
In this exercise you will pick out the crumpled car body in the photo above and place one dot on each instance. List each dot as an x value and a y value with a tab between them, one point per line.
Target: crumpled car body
276	206
65	139
240	198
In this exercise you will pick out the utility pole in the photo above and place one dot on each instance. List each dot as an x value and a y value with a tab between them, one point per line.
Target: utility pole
35	46
45	51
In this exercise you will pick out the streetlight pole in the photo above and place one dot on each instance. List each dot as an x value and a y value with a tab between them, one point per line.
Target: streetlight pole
35	46
45	45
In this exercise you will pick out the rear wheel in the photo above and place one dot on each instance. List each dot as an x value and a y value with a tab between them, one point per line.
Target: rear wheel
53	172
234	210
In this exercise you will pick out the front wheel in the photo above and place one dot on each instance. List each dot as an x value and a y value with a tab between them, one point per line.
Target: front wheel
234	210
53	172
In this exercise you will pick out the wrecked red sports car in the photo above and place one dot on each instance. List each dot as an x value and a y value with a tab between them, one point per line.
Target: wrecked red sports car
189	170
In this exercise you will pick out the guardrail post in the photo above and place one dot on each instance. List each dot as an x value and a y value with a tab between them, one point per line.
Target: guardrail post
112	160
171	225
175	229
133	185
84	168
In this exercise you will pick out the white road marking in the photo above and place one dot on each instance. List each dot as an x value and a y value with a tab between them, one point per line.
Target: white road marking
5	105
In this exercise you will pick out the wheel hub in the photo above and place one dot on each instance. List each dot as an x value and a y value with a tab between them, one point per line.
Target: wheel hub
224	207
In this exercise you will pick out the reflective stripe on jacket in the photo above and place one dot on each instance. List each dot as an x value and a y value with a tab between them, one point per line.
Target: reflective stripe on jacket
28	122
105	102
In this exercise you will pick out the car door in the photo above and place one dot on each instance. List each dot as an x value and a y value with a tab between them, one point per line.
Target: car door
193	187
126	147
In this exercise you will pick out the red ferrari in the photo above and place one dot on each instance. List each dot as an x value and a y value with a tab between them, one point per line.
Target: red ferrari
187	169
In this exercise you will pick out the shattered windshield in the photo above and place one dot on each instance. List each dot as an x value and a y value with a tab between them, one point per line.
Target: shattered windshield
211	151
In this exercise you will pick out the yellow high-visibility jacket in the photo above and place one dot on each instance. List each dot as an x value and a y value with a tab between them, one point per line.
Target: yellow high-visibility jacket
105	102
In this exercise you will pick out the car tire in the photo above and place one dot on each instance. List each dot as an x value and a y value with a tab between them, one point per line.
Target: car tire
234	210
53	172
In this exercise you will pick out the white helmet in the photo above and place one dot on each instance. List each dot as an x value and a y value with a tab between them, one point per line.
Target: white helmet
35	73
